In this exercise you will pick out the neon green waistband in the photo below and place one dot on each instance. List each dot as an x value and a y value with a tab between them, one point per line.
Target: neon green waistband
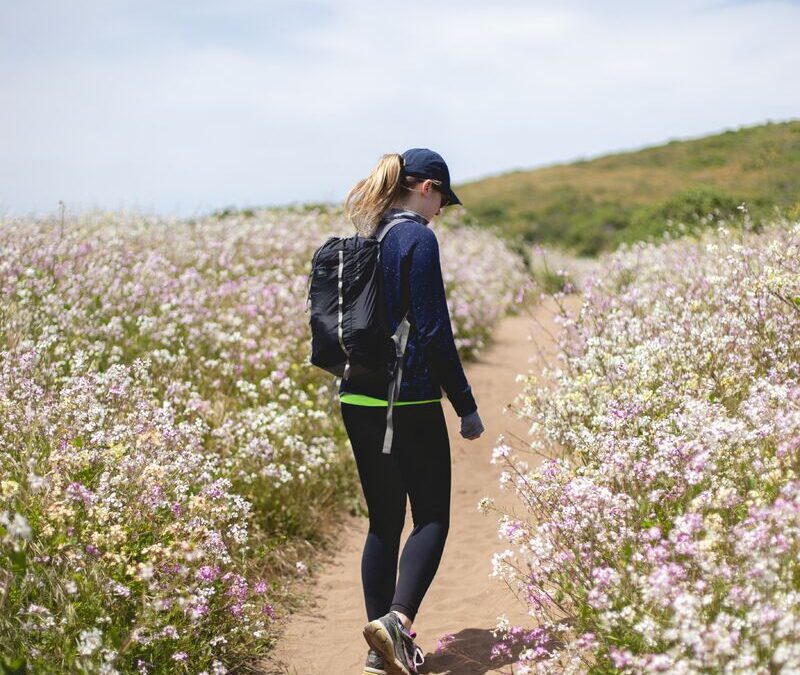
361	399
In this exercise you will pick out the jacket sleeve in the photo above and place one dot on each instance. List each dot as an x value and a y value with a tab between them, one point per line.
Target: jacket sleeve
432	321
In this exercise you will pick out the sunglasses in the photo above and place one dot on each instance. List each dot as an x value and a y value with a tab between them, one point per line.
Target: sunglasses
437	184
440	190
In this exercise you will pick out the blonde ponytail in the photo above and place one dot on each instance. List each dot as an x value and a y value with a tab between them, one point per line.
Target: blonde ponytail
372	196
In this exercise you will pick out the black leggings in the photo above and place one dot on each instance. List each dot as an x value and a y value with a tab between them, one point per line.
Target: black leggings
419	466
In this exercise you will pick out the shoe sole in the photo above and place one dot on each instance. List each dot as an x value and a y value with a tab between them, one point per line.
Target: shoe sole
373	671
378	638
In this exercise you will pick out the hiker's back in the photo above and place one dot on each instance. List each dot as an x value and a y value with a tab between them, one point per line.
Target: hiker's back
410	264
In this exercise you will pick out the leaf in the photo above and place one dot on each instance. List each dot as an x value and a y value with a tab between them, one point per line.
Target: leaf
12	665
18	561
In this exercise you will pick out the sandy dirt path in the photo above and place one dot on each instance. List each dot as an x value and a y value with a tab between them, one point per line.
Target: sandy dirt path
463	599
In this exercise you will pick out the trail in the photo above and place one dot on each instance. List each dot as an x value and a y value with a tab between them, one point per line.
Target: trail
325	638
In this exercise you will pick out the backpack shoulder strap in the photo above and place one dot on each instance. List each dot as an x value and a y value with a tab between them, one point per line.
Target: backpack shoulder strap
382	230
400	339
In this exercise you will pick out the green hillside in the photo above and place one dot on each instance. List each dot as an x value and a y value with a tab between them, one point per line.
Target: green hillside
593	205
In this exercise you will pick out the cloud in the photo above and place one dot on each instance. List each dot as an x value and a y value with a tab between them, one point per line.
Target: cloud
186	106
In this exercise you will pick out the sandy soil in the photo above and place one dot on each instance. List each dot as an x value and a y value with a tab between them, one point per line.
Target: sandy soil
324	638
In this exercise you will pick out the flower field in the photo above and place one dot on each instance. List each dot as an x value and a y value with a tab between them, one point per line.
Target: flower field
661	531
168	456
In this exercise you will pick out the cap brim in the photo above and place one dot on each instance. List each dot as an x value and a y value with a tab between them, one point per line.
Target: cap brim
452	198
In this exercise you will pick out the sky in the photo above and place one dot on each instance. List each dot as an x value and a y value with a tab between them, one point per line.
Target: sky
181	107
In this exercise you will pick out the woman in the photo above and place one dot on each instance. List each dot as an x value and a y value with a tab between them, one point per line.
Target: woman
412	188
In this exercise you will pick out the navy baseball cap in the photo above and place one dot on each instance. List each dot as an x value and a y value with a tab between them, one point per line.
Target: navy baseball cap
424	163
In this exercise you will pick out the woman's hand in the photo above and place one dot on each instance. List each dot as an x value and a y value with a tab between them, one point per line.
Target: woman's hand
471	426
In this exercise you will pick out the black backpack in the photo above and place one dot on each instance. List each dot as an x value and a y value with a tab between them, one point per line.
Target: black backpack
349	333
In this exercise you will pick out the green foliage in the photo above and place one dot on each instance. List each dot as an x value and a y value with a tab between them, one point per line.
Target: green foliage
490	212
12	665
593	205
230	211
691	207
549	280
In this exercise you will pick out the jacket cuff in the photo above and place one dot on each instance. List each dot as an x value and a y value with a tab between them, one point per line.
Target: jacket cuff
464	402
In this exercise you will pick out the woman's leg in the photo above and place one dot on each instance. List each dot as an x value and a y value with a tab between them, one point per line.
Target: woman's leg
423	450
385	495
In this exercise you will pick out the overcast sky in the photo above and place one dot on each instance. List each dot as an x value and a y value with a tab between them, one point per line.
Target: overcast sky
180	107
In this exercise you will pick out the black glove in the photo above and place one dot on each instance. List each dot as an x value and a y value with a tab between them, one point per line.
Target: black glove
471	426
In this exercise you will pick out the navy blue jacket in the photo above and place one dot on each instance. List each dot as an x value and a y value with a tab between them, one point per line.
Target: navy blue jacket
411	269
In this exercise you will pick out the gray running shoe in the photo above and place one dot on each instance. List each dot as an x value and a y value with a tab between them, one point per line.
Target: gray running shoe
374	664
390	639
